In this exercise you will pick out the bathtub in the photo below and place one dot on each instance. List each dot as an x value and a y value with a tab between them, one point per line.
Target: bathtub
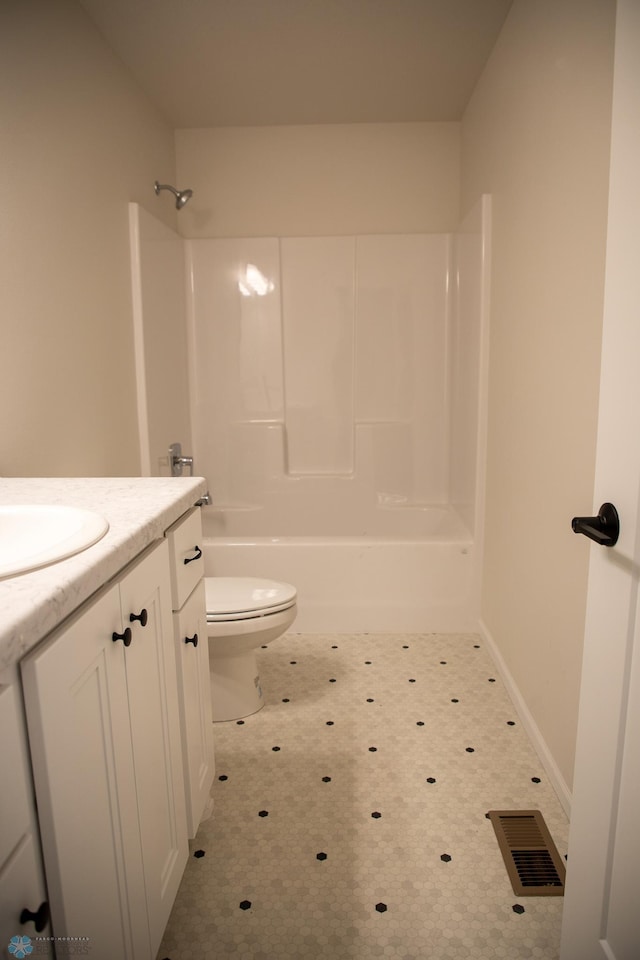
423	577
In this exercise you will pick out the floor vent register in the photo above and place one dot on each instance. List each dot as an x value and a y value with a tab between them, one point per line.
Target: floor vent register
533	863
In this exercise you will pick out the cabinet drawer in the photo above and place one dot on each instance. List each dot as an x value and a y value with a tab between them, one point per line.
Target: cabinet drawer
14	802
185	549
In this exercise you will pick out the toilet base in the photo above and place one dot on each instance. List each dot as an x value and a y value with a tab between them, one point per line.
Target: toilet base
235	687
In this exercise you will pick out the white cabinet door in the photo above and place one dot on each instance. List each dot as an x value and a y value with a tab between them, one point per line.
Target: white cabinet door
22	888
155	729
14	796
80	735
23	906
102	718
192	658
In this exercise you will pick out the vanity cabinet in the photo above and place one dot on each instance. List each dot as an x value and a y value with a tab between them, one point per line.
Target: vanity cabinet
192	664
101	700
23	902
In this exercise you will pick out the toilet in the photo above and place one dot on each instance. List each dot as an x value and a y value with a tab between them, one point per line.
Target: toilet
243	614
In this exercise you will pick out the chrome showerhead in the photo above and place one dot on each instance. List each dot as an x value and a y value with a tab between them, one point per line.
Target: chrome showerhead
182	196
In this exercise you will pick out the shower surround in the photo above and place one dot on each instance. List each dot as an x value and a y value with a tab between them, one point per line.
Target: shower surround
337	389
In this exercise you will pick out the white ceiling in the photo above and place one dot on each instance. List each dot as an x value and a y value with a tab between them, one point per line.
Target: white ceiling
260	62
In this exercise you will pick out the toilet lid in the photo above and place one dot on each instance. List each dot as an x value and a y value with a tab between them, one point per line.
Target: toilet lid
240	598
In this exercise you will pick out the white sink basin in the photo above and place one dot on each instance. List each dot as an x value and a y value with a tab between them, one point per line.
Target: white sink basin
35	535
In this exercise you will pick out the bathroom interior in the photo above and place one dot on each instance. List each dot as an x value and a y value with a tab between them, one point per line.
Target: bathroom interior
362	328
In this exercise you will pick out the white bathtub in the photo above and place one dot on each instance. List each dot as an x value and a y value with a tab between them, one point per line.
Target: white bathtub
424	579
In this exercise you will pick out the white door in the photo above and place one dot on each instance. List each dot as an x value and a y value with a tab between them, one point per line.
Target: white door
602	903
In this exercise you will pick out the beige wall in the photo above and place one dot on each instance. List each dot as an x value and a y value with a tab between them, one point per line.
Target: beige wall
536	136
320	180
78	142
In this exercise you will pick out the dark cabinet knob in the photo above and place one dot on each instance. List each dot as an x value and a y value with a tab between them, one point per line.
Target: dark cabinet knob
193	639
125	637
142	617
40	917
198	554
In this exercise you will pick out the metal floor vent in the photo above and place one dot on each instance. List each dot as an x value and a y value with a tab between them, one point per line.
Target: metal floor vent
532	860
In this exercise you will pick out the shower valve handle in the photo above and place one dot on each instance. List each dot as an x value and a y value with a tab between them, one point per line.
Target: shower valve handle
177	461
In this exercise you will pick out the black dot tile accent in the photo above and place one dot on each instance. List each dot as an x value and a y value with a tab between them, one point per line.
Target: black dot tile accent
372	749
419	723
332	680
511	723
240	723
263	813
370	700
334	646
276	749
368	663
326	779
492	679
431	780
286	700
198	853
476	646
455	700
443	663
245	904
223	777
470	749
536	780
518	908
381	907
329	723
321	856
376	814
412	680
264	646
445	858
405	646
292	662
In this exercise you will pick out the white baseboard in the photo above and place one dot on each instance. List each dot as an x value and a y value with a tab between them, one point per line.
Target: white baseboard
539	744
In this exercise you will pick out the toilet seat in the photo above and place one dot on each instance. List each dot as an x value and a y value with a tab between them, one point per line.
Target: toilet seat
245	598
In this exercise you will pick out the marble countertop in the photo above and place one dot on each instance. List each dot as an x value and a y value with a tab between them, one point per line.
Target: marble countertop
138	509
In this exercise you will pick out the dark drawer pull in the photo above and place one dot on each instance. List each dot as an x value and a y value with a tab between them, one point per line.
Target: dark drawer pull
193	639
125	637
40	917
197	556
142	617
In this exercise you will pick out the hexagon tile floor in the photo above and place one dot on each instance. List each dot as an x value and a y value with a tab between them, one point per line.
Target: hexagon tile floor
349	813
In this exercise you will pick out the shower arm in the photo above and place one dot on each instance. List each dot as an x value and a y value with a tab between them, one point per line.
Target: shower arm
182	196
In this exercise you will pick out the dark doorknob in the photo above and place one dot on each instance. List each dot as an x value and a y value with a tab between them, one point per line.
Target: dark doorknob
604	529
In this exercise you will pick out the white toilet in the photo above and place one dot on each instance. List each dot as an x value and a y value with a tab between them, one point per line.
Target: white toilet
243	614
